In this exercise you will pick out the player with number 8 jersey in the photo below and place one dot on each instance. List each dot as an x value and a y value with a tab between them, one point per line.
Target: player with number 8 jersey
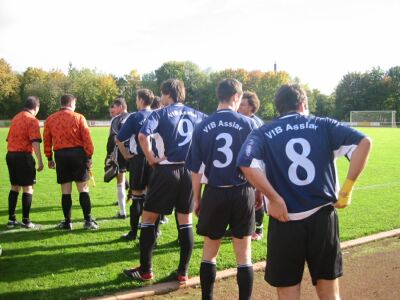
292	161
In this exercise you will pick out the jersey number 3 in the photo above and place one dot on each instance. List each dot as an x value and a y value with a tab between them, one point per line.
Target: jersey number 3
300	160
225	149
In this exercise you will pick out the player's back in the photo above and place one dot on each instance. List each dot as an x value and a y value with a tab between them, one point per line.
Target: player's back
216	144
174	124
301	152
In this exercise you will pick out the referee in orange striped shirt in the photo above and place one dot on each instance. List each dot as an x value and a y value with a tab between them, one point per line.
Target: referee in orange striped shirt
23	138
67	134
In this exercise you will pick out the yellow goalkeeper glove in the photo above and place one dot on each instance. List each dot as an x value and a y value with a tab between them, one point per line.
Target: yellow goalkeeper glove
345	194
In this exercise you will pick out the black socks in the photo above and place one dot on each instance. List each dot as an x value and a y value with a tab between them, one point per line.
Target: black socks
12	204
185	236
84	200
244	280
66	202
208	271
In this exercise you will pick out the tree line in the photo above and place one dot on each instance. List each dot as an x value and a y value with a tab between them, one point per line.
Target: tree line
373	90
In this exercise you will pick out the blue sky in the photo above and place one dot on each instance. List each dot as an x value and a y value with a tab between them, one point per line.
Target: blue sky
317	41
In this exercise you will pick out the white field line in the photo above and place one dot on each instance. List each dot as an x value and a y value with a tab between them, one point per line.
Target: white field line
377	186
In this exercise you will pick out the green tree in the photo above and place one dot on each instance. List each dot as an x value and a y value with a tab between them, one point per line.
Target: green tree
9	90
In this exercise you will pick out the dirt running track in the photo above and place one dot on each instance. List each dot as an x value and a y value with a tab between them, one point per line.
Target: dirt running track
371	271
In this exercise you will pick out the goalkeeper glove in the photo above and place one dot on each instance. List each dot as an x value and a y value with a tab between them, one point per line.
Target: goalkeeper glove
345	194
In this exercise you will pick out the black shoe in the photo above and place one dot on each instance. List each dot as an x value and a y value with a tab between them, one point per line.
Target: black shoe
130	236
119	216
64	225
12	224
28	224
90	225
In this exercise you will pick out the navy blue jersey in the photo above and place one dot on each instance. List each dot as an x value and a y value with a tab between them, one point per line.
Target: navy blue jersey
130	130
298	154
215	146
257	121
172	128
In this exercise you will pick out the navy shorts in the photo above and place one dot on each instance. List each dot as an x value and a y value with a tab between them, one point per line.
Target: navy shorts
314	240
220	207
170	187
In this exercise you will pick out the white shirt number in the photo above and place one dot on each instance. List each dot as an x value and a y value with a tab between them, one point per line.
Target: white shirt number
300	160
225	149
186	134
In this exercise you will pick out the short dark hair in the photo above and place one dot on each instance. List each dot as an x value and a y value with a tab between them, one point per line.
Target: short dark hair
156	104
227	88
66	99
32	102
120	101
252	100
175	88
146	95
288	98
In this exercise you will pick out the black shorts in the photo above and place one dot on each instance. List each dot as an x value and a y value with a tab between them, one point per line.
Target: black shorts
220	207
169	186
21	168
122	163
314	240
139	172
71	165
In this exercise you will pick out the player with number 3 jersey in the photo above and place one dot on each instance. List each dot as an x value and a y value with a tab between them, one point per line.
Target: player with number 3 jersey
292	161
227	198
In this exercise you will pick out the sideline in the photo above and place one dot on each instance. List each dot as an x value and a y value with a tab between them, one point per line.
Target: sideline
165	287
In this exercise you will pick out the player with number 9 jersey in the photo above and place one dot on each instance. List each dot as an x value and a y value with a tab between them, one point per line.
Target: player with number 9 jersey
172	128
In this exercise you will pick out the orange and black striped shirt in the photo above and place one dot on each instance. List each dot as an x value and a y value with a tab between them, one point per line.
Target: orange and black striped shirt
66	129
24	130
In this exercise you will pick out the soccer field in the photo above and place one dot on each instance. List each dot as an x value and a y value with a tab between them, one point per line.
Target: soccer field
52	264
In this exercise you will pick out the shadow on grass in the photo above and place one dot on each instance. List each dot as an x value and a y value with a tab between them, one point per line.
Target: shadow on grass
73	291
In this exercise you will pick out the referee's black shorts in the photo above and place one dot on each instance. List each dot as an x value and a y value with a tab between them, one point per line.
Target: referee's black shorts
71	165
170	187
223	206
21	168
314	240
139	172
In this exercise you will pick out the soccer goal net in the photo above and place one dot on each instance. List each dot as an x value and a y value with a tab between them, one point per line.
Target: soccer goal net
375	118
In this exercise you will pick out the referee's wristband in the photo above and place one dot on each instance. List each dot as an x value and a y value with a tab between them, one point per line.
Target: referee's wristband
50	159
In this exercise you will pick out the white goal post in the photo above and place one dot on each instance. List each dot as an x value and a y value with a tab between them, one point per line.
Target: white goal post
373	118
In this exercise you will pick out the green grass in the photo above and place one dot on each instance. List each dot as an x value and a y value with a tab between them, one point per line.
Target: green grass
49	264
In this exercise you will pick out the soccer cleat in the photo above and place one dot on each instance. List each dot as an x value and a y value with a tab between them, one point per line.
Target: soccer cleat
64	225
90	225
12	224
182	277
136	274
28	225
119	216
130	236
256	236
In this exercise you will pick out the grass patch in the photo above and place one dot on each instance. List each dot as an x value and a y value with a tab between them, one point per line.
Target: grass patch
49	264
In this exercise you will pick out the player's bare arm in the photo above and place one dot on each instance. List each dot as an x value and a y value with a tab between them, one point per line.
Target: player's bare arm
358	162
277	207
148	152
36	148
196	185
125	153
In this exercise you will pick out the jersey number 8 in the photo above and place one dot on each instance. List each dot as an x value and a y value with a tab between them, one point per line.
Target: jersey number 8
300	160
